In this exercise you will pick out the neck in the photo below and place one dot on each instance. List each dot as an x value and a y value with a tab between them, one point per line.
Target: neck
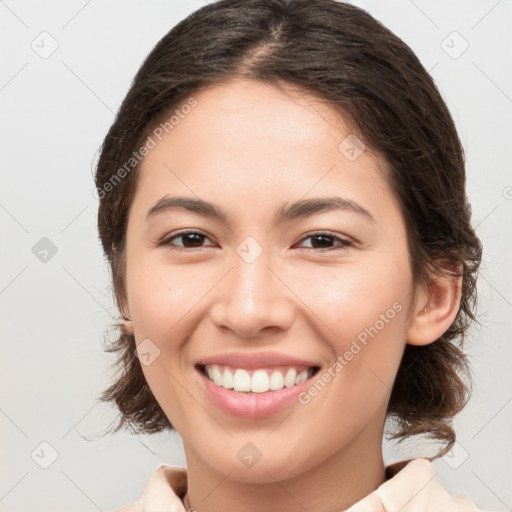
337	483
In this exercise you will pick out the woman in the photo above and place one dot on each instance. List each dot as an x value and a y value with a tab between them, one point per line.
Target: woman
283	206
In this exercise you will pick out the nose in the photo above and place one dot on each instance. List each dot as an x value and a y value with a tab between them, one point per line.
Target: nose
253	297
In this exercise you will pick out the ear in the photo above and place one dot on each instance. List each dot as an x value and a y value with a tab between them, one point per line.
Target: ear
127	326
436	308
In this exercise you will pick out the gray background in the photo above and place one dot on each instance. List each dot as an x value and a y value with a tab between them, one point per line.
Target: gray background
56	307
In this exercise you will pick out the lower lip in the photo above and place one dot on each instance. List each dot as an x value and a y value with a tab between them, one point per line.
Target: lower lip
252	405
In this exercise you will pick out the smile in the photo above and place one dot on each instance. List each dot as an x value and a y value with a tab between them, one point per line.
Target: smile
256	381
257	392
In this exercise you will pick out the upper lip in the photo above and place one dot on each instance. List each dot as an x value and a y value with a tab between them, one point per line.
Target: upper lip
255	360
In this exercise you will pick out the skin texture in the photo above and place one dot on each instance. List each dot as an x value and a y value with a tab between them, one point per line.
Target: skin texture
251	148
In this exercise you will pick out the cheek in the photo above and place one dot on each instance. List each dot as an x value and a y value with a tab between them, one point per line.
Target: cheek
160	300
352	299
363	313
160	297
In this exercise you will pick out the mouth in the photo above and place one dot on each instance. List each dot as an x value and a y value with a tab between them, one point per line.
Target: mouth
259	380
254	393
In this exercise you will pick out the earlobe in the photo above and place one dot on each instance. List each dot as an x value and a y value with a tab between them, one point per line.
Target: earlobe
127	325
436	309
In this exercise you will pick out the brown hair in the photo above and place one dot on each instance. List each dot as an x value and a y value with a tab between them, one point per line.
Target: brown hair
342	55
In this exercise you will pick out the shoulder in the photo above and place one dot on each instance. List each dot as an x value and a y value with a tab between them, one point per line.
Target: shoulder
417	487
132	507
413	487
163	491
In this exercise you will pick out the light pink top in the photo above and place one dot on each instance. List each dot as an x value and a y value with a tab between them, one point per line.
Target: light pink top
412	487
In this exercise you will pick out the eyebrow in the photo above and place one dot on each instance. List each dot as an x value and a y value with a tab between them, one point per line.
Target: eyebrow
301	208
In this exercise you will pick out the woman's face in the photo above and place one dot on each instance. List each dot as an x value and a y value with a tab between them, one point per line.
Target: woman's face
256	289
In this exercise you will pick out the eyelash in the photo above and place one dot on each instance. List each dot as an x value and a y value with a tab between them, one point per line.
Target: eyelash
343	242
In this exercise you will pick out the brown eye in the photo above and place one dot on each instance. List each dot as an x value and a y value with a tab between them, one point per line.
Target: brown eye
324	241
190	240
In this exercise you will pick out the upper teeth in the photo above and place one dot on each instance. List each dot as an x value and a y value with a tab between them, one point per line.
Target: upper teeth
261	380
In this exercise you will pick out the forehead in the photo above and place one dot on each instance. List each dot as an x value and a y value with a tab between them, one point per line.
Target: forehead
284	111
258	142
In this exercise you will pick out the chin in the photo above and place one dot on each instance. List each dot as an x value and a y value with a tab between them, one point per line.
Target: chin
261	473
244	463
